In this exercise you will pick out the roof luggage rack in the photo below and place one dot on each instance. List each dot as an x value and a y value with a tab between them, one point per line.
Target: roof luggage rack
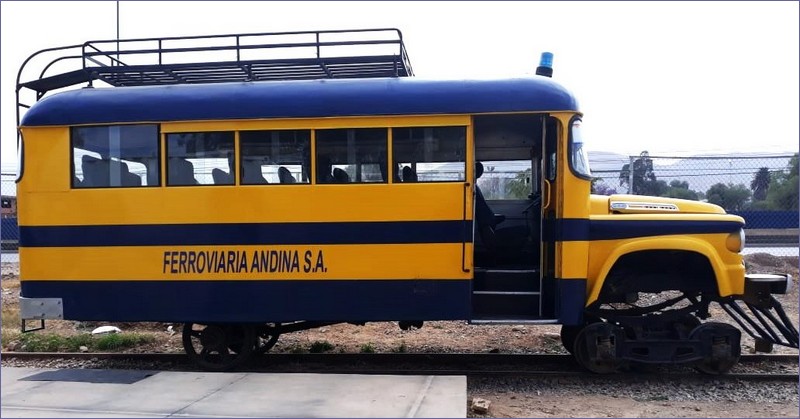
220	58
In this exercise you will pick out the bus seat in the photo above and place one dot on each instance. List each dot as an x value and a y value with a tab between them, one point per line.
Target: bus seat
324	169
409	175
126	178
181	172
383	169
285	176
95	172
251	172
221	177
340	176
130	179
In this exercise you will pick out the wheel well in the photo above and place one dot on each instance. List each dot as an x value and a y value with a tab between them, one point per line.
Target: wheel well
659	270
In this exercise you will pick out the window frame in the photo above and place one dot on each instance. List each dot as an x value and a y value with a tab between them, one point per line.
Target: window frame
167	157
411	127
240	150
570	152
315	161
72	174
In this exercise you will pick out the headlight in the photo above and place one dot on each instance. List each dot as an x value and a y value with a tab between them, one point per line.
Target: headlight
735	241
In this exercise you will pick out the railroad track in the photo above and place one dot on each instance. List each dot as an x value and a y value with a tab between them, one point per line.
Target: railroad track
472	365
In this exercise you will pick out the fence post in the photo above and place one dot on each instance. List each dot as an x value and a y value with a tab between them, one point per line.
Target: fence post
630	175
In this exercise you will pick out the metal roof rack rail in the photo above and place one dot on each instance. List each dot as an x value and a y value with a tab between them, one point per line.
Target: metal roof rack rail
220	58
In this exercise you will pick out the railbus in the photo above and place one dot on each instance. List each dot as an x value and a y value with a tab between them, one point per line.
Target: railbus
263	191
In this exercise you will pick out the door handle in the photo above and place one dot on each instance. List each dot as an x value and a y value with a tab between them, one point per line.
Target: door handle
546	195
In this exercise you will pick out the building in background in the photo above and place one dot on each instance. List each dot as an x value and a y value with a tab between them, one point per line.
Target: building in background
9	206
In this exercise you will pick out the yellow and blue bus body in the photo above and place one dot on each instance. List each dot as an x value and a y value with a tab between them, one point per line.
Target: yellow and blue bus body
273	252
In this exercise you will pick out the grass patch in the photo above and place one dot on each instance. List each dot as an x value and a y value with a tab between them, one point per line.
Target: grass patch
296	349
120	341
47	342
319	347
11	324
367	348
401	349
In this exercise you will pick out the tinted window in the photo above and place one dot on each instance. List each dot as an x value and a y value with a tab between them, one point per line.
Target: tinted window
429	154
200	158
278	157
115	156
351	155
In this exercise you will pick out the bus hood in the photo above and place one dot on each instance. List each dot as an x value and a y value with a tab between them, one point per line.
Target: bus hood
637	204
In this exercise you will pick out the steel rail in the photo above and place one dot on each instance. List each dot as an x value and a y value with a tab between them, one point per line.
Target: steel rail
373	364
349	358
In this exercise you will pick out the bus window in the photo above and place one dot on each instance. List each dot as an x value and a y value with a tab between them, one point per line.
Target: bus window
351	155
200	158
578	157
275	156
509	179
429	154
115	156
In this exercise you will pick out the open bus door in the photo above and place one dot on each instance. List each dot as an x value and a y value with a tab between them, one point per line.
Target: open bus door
549	203
514	280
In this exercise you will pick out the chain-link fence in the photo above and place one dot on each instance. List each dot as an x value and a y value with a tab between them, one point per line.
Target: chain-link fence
763	189
9	233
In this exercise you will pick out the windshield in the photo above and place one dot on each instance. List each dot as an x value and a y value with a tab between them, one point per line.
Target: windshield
578	158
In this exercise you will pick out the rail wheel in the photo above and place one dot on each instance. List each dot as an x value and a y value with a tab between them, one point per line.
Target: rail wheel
218	347
570	333
596	347
266	337
722	345
684	326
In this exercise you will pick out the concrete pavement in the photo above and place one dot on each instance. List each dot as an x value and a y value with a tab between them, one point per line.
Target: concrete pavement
87	393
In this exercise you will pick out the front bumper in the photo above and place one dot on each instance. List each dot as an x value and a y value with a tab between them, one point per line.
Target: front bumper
755	284
766	321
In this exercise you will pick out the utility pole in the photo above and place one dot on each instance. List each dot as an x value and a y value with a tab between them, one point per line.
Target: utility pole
117	32
630	174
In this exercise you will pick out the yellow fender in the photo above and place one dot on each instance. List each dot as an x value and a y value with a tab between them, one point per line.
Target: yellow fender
663	243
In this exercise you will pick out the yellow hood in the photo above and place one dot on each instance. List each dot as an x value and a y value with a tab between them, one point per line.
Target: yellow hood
638	204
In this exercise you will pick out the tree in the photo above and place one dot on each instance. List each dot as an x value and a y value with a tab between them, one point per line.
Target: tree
783	193
520	186
644	179
655	188
760	184
599	187
731	197
680	189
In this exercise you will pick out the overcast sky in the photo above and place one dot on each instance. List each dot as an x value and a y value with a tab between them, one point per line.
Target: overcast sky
667	77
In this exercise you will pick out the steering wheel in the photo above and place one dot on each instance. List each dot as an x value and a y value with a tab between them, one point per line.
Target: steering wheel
536	199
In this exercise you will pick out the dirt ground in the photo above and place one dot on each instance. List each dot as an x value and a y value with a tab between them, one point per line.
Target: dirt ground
443	336
517	405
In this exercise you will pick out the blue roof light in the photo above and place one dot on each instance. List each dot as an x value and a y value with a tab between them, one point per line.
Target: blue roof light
546	60
545	65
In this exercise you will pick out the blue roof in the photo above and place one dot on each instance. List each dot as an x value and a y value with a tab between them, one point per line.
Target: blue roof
299	99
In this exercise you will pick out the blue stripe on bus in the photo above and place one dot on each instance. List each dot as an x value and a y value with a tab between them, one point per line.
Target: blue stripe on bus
299	99
383	232
571	300
588	230
257	301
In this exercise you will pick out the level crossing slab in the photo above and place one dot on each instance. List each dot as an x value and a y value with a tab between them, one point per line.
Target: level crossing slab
86	393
